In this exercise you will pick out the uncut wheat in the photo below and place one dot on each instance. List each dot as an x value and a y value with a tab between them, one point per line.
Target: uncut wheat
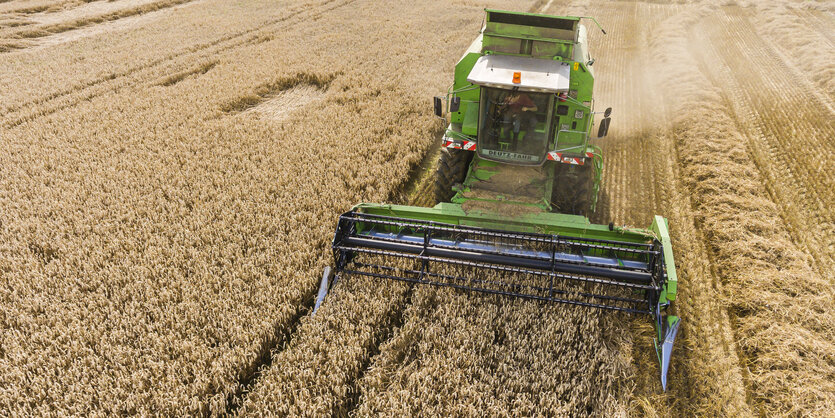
460	353
156	247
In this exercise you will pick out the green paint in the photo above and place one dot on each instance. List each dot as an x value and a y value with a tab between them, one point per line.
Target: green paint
470	123
544	222
661	229
561	39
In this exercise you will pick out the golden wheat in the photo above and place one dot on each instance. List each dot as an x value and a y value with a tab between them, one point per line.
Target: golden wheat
158	245
467	354
169	183
769	284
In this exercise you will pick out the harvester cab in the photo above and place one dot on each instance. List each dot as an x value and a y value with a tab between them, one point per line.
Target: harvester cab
523	91
517	178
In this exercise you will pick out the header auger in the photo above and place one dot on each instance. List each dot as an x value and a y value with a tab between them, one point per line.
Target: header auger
517	178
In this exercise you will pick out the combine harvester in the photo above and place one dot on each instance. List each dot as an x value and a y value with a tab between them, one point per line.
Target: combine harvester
516	180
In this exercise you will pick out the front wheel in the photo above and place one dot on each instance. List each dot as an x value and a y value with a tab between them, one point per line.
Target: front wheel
452	169
573	188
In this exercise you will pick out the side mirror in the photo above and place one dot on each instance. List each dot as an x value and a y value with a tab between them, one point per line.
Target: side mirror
608	112
591	62
604	127
455	104
439	108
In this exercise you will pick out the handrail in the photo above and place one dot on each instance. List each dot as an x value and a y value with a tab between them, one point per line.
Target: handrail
582	146
459	135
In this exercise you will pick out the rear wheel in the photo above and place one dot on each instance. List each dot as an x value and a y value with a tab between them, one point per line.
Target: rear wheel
452	169
573	188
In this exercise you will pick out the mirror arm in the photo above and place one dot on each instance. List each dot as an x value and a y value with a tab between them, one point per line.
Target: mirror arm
595	22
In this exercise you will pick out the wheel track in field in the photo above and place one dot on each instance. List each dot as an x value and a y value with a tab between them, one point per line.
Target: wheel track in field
78	88
44	29
797	202
106	25
224	43
149	72
86	9
33	35
815	20
778	75
773	132
264	361
780	53
22	9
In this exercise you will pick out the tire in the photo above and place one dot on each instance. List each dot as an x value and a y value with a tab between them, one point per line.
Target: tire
573	188
452	169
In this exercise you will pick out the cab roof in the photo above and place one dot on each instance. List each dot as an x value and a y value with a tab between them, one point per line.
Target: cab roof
550	76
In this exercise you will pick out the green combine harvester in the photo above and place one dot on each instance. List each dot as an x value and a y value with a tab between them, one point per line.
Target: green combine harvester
517	178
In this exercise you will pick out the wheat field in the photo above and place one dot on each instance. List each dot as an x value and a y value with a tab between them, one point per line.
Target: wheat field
171	172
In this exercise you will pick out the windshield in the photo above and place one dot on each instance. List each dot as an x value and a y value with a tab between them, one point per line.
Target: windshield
514	126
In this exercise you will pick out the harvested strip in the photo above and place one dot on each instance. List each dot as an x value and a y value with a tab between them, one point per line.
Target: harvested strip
775	295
